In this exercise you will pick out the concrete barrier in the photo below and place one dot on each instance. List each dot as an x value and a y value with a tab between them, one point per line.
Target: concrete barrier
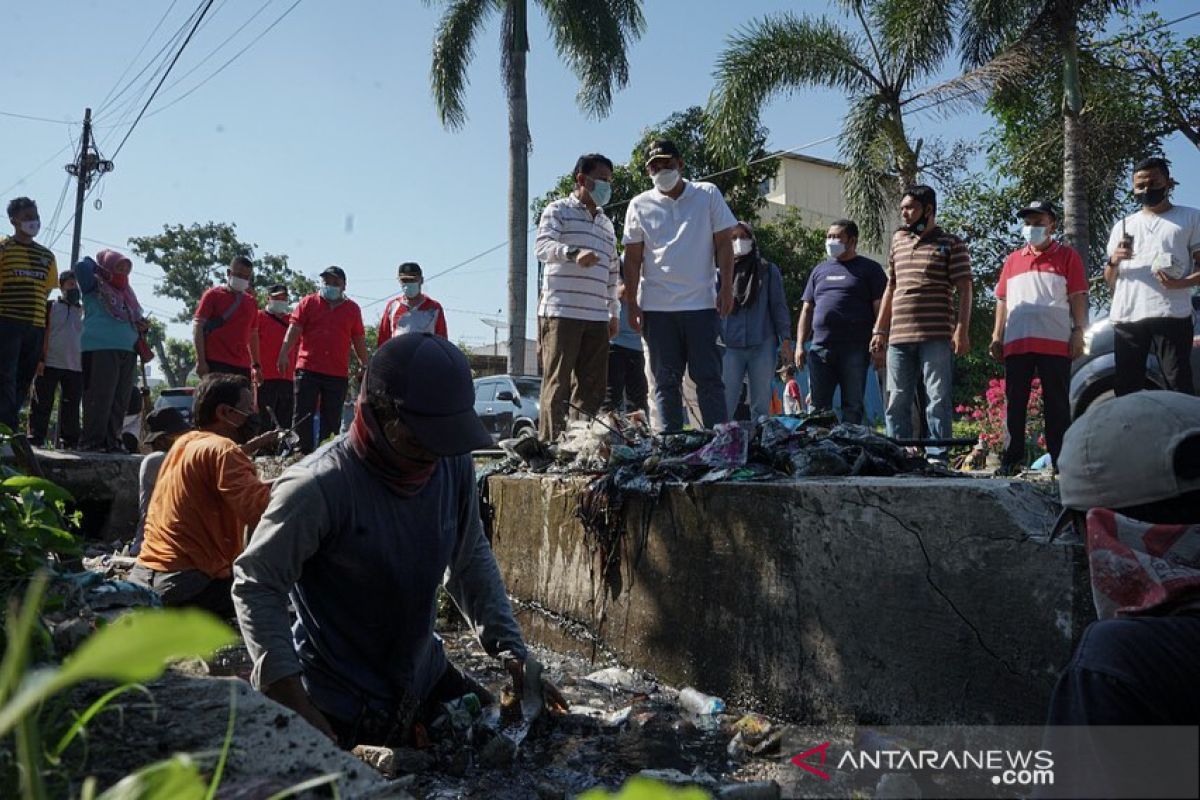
105	488
889	600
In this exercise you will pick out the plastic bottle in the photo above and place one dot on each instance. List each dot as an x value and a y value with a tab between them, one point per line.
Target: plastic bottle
699	703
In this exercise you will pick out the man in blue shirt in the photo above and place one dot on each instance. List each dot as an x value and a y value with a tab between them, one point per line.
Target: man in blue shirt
840	303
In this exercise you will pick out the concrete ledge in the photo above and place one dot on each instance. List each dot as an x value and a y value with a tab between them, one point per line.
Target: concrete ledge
901	600
105	488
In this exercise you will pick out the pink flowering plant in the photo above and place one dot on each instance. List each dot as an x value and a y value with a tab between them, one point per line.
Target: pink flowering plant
987	414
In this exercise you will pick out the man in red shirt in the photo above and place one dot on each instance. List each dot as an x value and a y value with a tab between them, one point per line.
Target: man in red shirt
411	311
225	326
1041	311
275	391
326	324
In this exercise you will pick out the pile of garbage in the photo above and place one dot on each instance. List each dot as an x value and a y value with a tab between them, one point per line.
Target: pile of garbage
768	449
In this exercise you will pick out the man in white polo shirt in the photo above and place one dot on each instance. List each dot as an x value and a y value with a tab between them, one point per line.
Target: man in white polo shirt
578	312
676	237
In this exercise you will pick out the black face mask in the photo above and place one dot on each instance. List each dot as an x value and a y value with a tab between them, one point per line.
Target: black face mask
1151	197
920	225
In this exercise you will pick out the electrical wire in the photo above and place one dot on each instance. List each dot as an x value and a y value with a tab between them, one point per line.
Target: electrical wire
219	47
35	170
132	61
32	118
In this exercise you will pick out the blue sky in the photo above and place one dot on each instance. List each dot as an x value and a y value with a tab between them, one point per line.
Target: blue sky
322	142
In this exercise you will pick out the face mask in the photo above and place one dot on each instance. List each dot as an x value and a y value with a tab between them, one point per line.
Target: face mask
919	226
1034	234
119	280
742	247
331	293
30	227
665	180
238	284
277	306
72	296
411	290
601	192
1148	198
249	427
834	248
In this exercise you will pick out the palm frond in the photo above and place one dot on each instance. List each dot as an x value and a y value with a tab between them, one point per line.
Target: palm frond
872	184
453	49
990	26
917	35
593	38
1016	64
780	54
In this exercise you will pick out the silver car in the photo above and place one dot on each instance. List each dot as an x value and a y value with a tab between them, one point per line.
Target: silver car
508	406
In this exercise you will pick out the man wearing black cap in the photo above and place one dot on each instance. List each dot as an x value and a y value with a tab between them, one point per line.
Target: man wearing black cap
1041	312
359	536
677	236
412	311
275	392
326	324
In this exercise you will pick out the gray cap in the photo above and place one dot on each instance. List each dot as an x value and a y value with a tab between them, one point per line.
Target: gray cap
1121	453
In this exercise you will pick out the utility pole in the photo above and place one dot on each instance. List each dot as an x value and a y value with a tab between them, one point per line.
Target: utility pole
85	166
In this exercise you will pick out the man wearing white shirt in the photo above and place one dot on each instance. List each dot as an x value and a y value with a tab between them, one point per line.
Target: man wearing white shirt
578	312
677	235
1153	266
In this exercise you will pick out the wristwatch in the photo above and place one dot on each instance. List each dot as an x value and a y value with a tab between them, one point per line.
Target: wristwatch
572	253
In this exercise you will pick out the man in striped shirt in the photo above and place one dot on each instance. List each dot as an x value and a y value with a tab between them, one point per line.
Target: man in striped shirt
1041	311
917	322
578	311
28	272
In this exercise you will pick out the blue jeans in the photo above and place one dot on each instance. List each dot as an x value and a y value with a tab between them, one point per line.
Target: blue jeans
679	341
840	364
932	362
20	352
757	363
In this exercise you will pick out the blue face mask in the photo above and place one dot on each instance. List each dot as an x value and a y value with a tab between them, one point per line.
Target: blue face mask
411	290
601	192
331	293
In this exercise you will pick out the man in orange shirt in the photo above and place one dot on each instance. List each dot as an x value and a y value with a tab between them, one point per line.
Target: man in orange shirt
207	492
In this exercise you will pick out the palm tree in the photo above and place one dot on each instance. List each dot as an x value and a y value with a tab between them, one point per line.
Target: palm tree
592	36
890	48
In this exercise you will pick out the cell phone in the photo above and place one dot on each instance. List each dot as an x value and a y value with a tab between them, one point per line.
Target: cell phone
1126	238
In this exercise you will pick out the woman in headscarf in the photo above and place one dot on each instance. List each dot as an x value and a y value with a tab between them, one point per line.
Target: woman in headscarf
757	328
112	321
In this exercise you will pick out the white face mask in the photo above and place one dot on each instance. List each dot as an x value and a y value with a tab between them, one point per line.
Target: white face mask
742	247
277	306
30	227
665	179
834	248
238	284
1034	234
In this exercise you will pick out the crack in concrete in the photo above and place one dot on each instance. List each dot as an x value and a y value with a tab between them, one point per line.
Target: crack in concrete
933	584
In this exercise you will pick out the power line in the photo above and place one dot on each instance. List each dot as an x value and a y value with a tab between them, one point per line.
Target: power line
36	169
1139	34
104	103
170	66
219	47
32	118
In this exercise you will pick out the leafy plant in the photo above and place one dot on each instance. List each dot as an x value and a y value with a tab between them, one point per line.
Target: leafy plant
990	411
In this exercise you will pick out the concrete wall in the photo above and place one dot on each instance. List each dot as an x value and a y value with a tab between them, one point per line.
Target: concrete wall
897	600
105	488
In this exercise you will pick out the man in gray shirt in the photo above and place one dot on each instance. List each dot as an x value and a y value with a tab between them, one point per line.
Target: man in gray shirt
360	535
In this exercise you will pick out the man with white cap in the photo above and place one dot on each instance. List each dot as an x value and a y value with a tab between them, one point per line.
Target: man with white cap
359	536
1132	465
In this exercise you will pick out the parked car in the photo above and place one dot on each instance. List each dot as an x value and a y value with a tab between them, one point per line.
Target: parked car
180	398
1092	372
508	406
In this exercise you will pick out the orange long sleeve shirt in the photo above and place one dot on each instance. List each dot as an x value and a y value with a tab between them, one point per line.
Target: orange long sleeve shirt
207	490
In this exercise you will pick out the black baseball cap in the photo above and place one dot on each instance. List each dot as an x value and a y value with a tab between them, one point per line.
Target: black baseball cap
277	288
662	148
165	421
429	380
336	272
1038	207
410	268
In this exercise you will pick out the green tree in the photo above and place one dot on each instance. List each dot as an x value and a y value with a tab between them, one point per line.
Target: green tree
176	357
796	249
194	258
741	185
591	36
893	48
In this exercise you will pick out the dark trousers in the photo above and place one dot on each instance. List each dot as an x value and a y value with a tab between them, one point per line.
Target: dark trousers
574	370
1168	338
20	352
275	397
107	387
190	588
222	368
627	389
839	365
679	341
1055	375
315	393
68	406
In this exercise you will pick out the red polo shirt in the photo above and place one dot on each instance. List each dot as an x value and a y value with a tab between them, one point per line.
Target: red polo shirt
327	333
230	343
1034	287
271	330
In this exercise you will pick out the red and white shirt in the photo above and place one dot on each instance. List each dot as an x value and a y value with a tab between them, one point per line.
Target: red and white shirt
1034	287
399	317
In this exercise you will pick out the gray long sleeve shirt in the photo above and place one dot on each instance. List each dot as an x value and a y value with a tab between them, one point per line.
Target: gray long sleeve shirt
362	565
